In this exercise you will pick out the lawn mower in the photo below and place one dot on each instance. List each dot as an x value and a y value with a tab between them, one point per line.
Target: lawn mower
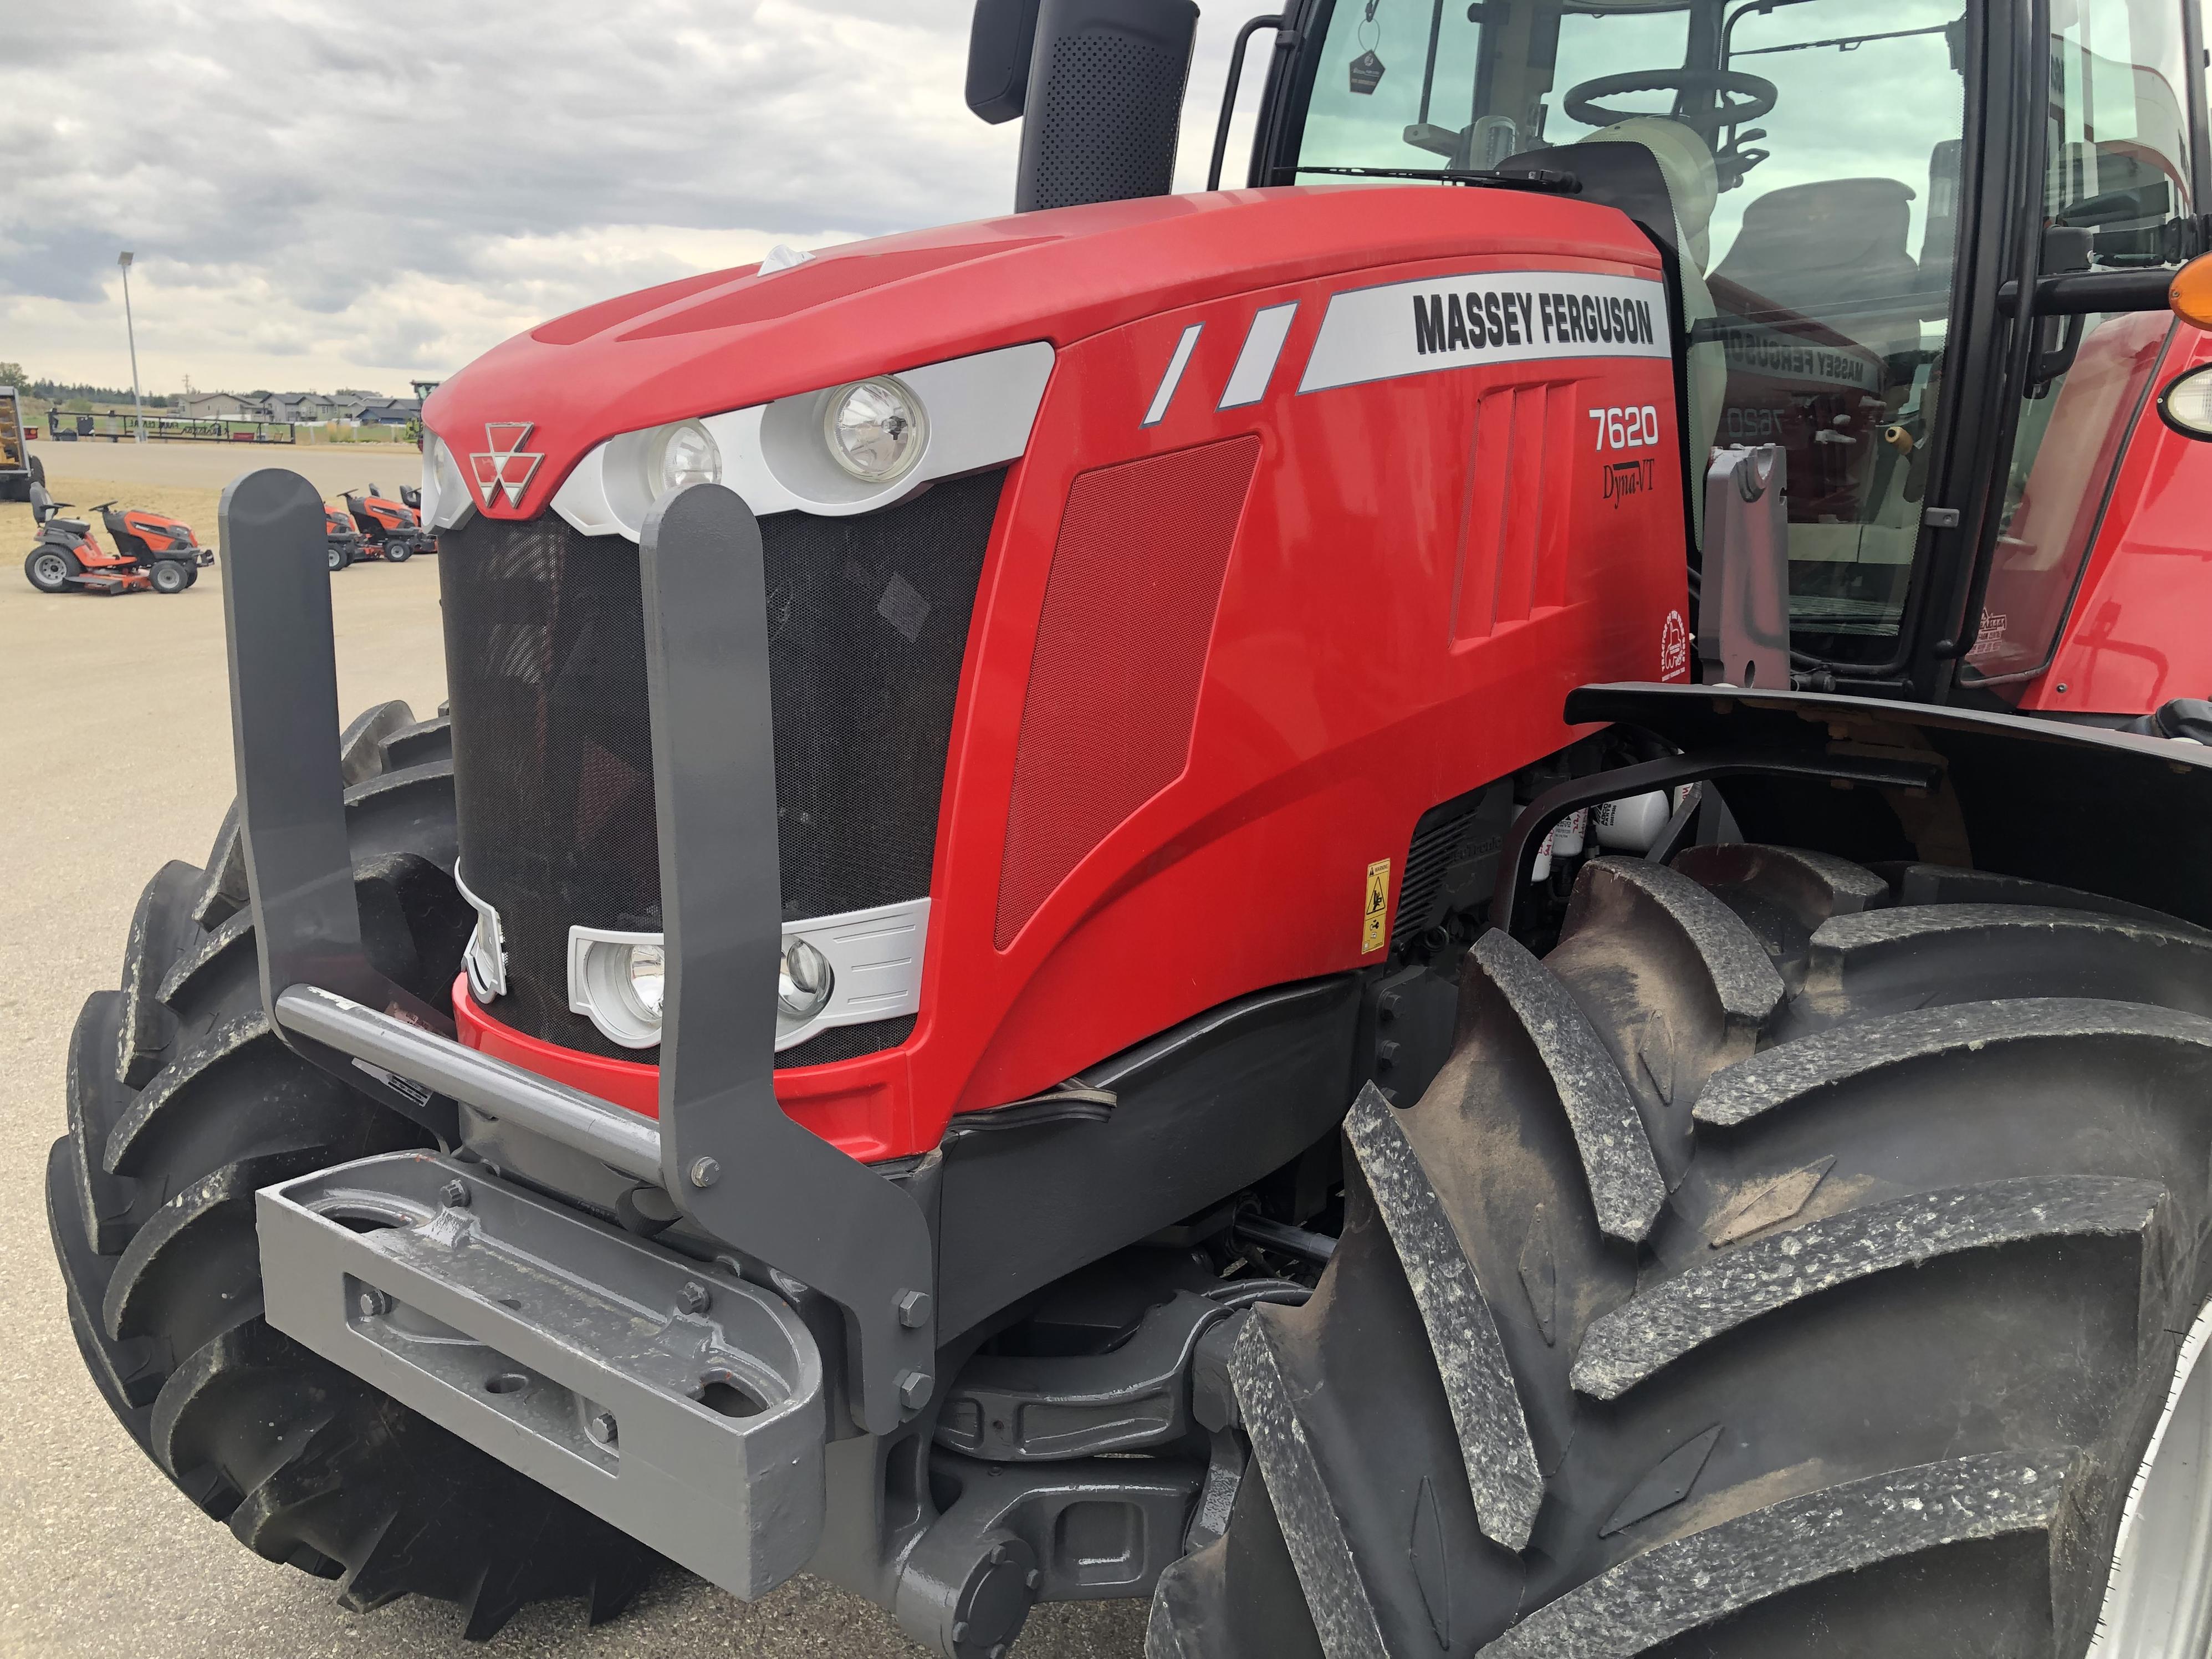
389	529
151	551
342	543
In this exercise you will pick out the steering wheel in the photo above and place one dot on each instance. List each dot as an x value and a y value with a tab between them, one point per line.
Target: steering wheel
1743	97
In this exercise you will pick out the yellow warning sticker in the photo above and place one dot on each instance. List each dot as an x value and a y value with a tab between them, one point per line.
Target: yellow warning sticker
1371	933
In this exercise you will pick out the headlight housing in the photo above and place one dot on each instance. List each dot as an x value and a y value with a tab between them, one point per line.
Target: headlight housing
876	429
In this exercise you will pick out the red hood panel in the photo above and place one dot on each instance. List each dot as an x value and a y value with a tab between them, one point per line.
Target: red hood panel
729	339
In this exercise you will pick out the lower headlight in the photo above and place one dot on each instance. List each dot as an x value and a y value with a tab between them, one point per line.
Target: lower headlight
2186	404
617	981
804	980
647	974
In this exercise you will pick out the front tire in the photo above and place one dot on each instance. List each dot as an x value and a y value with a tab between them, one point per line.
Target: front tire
170	577
183	1101
338	557
1795	1262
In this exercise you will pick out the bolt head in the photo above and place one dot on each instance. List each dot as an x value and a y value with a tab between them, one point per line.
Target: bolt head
695	1298
704	1172
912	1309
601	1427
913	1388
455	1194
373	1302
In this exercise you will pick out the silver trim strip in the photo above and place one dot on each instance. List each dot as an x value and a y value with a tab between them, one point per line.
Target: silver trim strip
621	1140
1173	377
1256	363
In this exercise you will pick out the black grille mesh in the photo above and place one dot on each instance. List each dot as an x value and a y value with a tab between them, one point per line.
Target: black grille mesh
545	667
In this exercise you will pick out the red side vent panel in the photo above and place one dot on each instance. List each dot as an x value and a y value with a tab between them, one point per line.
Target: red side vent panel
1136	577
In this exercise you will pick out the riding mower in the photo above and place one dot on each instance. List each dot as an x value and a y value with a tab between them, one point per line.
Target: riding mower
151	551
344	542
390	528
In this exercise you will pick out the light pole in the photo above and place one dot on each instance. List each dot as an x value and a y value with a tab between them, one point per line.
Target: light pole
137	407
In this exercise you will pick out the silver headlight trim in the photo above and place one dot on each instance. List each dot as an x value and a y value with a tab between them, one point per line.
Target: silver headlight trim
982	409
875	958
446	502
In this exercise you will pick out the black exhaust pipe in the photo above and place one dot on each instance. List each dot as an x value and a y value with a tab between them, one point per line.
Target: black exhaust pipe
1099	85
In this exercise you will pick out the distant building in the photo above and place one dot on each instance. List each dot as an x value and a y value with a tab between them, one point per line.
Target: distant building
224	406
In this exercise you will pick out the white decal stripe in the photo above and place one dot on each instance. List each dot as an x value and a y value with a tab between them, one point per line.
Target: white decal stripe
1173	377
1482	317
1256	363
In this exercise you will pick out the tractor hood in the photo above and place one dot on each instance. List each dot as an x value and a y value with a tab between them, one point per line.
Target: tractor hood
514	425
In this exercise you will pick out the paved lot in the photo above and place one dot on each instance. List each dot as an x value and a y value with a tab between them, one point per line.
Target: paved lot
115	756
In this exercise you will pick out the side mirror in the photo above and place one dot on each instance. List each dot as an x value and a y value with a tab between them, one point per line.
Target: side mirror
999	40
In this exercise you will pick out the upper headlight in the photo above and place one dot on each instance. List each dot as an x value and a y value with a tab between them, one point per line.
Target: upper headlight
2186	404
876	429
683	453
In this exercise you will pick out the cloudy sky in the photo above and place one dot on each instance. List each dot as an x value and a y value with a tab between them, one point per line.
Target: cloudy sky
352	192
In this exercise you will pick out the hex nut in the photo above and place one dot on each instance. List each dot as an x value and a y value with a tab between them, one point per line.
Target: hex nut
912	1309
695	1298
914	1389
455	1194
705	1172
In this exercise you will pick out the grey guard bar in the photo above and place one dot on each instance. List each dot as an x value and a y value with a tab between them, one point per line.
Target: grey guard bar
619	1139
291	794
731	1159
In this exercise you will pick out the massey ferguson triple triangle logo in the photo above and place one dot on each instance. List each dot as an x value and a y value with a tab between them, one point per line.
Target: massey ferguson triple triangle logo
503	466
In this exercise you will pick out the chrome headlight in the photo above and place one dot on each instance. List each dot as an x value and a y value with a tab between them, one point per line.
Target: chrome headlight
876	429
803	980
2186	404
616	980
683	453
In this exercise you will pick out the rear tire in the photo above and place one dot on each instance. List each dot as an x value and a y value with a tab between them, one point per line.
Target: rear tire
182	1102
1777	1268
49	568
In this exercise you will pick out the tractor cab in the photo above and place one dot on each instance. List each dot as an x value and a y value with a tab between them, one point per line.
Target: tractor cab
1856	200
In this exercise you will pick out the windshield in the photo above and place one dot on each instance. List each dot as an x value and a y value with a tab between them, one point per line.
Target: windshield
1811	150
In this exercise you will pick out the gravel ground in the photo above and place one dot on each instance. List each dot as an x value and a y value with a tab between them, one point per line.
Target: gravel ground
115	757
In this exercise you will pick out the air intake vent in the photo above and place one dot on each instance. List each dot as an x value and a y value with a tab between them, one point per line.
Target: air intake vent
1128	609
552	755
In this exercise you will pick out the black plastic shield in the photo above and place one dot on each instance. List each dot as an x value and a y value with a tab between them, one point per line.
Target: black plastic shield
291	794
735	1164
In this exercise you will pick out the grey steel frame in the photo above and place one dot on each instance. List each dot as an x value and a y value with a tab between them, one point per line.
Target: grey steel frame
728	1156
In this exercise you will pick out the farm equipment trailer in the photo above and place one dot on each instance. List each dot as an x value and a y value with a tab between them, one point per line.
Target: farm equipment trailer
1451	917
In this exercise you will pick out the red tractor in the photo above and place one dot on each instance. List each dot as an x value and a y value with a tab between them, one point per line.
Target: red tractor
1441	906
152	551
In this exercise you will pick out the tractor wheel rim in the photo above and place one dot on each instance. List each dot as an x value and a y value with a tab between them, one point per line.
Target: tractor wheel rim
51	568
2159	1599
